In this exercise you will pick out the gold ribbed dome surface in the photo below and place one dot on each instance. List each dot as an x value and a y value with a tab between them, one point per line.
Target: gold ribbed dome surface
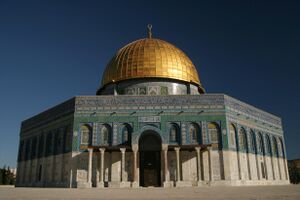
150	58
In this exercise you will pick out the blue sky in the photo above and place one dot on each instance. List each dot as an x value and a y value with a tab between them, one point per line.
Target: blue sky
51	51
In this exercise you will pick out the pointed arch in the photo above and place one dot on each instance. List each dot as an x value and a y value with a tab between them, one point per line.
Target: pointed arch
49	144
282	147
41	146
275	147
260	143
232	134
194	133
106	134
242	136
126	134
174	133
268	145
214	133
252	141
85	134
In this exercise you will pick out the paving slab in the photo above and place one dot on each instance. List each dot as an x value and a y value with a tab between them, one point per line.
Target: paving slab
219	193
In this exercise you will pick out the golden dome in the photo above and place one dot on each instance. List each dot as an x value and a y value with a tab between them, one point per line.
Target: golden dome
150	58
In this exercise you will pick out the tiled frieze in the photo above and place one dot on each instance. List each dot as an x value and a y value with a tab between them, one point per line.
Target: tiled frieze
250	111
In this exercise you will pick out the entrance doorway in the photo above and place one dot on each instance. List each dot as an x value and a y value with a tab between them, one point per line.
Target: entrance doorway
150	161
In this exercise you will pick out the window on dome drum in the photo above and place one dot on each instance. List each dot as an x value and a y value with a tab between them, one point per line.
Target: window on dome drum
232	133
193	132
106	134
213	132
268	145
252	141
126	134
275	147
85	132
173	133
242	139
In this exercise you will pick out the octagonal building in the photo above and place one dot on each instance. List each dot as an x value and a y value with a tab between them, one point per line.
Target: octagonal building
151	124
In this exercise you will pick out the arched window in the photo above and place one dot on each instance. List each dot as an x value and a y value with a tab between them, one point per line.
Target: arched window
173	133
86	133
252	141
126	134
242	139
232	133
213	132
106	134
260	143
275	147
193	132
268	145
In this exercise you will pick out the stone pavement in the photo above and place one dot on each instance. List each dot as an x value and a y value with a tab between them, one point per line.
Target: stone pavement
222	193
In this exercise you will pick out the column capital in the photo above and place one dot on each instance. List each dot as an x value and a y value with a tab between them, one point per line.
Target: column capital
177	149
102	150
90	150
164	147
198	149
135	147
178	172
123	150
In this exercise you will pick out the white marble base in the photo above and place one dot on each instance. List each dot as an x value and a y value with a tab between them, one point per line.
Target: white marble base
168	184
135	184
183	184
203	183
100	185
114	184
81	184
125	184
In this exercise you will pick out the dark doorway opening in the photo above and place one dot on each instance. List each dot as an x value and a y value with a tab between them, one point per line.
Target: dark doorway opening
150	161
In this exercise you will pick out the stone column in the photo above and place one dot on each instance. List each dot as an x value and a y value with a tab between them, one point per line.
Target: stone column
89	179
44	165
101	178
257	167
135	171
123	150
272	165
209	149
166	167
198	149
286	169
29	161
178	175
279	168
